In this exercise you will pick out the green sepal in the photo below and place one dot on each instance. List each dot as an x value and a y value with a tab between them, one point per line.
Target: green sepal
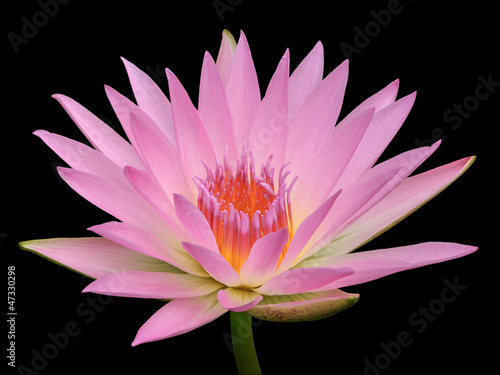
303	307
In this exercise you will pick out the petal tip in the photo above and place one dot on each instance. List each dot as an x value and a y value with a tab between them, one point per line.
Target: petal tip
87	289
139	338
24	245
177	197
109	90
40	132
353	298
472	249
226	34
170	74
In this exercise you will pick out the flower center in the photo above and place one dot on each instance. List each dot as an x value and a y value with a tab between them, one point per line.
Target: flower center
242	207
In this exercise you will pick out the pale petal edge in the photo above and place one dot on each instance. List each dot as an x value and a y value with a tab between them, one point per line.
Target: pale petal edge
320	257
94	257
24	246
470	161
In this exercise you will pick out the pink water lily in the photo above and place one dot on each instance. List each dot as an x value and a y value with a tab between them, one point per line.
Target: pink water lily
247	203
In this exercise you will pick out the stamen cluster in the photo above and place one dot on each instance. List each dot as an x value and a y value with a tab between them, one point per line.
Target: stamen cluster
242	207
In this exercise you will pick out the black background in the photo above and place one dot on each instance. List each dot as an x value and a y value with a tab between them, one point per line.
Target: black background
439	51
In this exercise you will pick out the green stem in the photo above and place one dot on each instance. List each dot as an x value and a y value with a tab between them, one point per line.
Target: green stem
243	345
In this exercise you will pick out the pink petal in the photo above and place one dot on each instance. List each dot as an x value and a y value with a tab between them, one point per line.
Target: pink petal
144	242
383	127
194	223
404	164
243	93
151	99
371	265
123	107
379	100
160	156
409	160
349	206
268	132
238	300
214	111
263	259
301	280
314	121
305	231
161	285
341	147
318	176
214	264
84	158
124	205
93	256
225	56
149	189
305	78
99	134
133	237
192	140
179	316
410	195
303	307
